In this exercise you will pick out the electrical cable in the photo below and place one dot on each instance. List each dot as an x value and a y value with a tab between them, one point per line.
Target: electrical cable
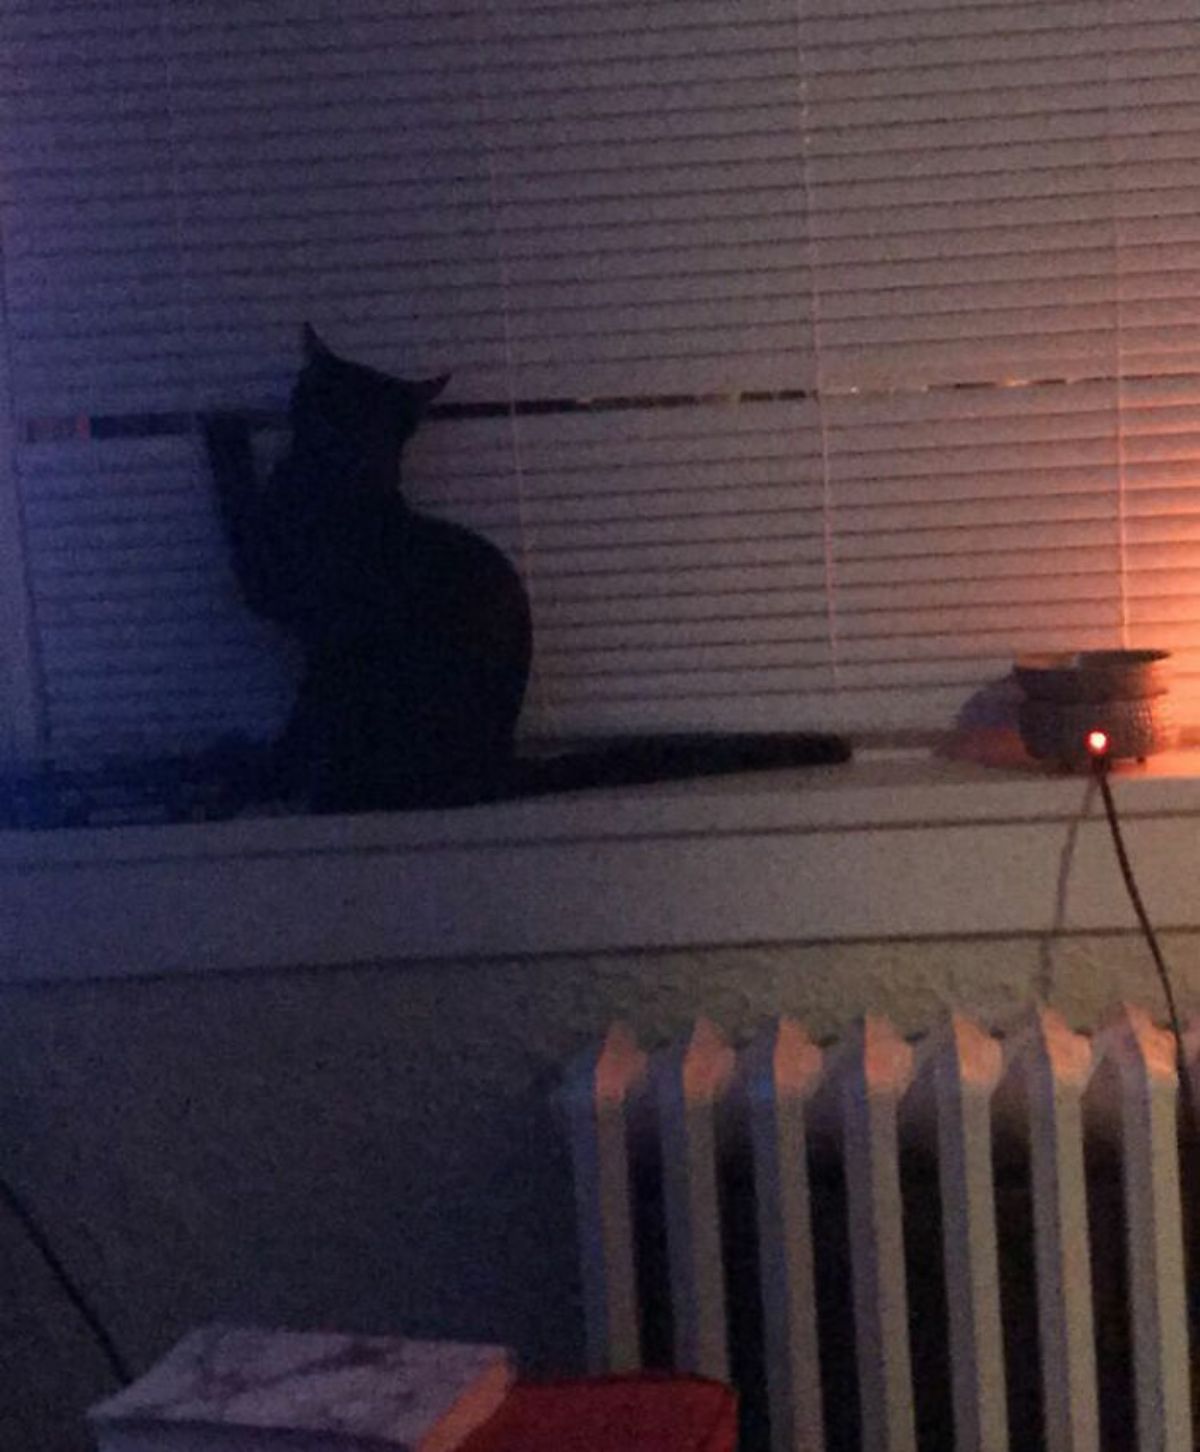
1100	766
1190	1185
67	1283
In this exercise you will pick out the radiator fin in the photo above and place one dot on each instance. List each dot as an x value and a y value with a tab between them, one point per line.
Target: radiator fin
690	1081
868	1075
597	1098
961	1065
779	1072
1052	1066
1146	1087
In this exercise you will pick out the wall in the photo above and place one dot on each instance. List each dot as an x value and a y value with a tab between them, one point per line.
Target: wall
373	1146
298	1071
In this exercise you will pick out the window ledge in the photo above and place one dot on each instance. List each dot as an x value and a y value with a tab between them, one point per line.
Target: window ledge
894	844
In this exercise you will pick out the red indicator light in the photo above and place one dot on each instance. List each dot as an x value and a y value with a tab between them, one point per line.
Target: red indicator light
1097	743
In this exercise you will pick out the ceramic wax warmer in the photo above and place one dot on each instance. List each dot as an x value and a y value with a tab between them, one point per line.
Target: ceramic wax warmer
1120	693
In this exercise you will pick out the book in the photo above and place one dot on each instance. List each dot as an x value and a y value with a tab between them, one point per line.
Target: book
230	1389
634	1412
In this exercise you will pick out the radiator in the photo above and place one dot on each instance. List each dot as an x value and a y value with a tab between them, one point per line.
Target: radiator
963	1242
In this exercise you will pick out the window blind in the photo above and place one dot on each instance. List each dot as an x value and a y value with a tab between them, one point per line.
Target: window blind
810	358
1156	164
650	215
999	206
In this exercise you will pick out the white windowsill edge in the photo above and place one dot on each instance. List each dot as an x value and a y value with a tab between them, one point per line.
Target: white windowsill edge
893	845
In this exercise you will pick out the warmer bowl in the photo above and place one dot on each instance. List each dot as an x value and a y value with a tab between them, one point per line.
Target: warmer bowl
1123	693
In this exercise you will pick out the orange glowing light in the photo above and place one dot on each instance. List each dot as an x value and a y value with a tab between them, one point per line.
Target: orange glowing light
1097	743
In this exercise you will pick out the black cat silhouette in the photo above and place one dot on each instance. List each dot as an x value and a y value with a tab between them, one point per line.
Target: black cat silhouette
415	632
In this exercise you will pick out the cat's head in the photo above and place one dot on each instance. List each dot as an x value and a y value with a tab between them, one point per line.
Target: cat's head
359	406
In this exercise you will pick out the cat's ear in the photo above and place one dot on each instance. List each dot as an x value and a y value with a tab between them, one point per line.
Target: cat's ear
429	388
311	343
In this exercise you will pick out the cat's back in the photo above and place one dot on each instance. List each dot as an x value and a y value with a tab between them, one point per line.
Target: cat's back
460	581
438	549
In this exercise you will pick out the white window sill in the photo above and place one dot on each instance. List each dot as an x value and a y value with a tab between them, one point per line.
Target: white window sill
895	844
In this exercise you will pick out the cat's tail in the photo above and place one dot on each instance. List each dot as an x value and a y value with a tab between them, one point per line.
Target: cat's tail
642	760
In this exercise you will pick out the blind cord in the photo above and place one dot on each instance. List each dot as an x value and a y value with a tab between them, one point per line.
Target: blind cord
67	1284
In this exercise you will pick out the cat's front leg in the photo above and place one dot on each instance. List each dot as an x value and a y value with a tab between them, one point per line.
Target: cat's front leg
245	514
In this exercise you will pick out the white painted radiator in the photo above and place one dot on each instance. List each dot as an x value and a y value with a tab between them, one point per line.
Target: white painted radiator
966	1242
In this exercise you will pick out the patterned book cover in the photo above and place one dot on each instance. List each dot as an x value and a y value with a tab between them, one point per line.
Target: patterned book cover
325	1389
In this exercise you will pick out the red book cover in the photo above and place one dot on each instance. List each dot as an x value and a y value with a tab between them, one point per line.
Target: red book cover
639	1413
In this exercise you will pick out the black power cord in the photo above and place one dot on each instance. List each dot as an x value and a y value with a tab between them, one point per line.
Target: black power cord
1100	767
67	1283
1190	1169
